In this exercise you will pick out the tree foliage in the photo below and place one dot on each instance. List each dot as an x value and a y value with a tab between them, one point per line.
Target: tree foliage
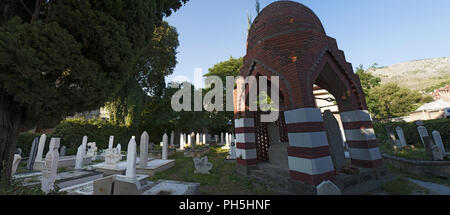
62	57
391	100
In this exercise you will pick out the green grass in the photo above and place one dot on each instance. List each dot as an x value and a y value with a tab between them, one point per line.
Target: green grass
432	179
409	152
223	179
402	186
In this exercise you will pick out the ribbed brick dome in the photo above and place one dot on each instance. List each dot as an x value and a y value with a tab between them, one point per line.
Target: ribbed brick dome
283	17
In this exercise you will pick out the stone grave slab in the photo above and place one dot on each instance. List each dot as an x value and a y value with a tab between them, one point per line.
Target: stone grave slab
167	187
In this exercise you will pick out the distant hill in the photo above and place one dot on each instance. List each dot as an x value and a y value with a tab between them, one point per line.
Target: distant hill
418	74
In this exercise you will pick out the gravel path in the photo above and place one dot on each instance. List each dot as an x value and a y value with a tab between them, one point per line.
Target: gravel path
437	189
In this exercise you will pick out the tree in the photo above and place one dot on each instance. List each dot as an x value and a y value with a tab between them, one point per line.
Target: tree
368	81
157	62
223	69
62	57
391	100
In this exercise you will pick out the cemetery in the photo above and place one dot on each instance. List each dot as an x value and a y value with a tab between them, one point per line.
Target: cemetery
325	140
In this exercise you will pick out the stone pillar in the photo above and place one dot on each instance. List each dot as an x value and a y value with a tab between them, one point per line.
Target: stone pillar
221	138
143	158
165	148
41	147
361	139
227	140
308	151
197	139
246	158
131	159
204	139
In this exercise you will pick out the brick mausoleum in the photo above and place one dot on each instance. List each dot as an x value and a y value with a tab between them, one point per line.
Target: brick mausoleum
288	40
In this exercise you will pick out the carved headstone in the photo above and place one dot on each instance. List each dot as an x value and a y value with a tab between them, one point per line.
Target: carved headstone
401	136
33	154
328	188
422	133
202	165
165	149
131	159
227	140
84	144
432	150
419	123
79	158
335	140
16	162
51	166
438	141
41	147
62	151
92	149
143	160
232	151
391	135
112	157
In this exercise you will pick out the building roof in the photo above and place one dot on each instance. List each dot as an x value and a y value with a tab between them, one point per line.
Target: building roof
436	105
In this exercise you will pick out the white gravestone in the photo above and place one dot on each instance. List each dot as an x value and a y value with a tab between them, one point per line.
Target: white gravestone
92	149
131	159
189	140
41	147
197	139
165	149
62	151
227	140
51	166
202	165
33	153
84	144
204	139
221	138
401	136
438	141
182	142
232	151
113	157
328	188
16	162
111	142
172	138
143	160
79	158
422	133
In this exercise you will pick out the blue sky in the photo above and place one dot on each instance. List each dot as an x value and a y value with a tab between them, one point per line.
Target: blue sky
368	31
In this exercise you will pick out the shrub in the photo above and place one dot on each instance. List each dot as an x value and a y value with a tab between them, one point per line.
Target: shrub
412	135
71	132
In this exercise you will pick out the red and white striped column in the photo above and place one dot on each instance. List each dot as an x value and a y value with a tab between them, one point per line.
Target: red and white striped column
361	139
245	141
309	154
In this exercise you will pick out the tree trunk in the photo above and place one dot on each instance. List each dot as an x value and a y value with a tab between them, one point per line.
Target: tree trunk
11	120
